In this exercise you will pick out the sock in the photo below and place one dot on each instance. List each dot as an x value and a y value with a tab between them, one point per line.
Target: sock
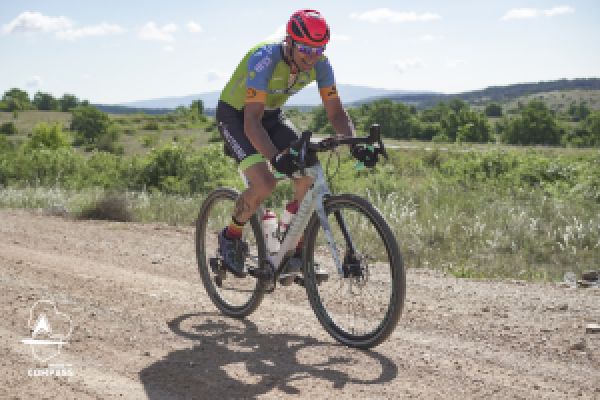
234	230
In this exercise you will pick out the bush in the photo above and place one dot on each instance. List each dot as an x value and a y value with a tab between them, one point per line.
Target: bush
587	134
5	145
113	207
493	110
151	126
47	137
8	128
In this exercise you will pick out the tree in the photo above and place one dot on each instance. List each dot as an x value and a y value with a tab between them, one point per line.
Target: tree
493	110
68	102
197	107
16	99
579	112
535	125
395	119
592	125
45	101
586	134
457	105
319	119
465	125
436	113
90	124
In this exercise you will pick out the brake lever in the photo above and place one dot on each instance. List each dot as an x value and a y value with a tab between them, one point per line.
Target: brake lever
375	136
299	148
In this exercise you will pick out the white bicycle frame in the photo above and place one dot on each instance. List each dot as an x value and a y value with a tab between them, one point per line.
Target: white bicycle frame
312	201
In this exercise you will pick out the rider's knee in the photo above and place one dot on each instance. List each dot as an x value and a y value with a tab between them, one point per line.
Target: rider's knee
264	185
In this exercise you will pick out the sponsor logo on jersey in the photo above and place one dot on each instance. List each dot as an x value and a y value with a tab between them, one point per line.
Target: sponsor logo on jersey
262	64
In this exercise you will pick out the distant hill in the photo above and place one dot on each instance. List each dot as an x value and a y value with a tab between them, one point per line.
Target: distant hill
493	93
307	97
354	95
112	109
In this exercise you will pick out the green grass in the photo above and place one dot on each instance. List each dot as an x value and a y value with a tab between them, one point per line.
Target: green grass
132	127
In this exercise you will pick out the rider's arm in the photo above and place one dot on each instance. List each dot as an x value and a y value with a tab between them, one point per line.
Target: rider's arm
258	136
339	119
260	69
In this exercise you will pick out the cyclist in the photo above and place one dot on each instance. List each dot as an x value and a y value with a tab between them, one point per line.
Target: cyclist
256	131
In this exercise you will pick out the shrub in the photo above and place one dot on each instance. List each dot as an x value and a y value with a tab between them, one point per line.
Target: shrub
493	110
47	136
151	126
8	128
113	207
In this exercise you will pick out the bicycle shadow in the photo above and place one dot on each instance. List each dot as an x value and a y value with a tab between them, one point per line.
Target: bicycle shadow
232	359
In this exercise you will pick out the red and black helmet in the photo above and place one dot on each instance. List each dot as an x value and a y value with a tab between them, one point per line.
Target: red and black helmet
308	27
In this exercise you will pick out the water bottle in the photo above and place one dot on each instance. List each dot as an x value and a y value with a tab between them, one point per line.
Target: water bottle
269	227
289	211
286	218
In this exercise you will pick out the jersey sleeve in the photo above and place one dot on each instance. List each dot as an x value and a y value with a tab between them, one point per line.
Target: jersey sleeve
325	79
260	68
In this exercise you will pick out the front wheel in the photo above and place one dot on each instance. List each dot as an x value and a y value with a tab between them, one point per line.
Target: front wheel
360	307
234	297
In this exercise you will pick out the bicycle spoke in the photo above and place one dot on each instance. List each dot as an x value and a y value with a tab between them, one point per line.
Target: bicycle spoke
234	296
360	306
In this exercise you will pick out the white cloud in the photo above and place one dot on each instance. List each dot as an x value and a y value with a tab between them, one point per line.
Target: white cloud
169	48
528	13
96	30
34	82
278	35
455	63
151	31
560	10
408	64
194	27
35	22
213	76
386	15
520	13
431	38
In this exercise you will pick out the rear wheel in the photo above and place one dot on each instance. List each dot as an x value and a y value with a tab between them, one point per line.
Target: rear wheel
234	297
361	307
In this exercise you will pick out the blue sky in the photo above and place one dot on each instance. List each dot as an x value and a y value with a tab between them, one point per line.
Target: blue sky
116	51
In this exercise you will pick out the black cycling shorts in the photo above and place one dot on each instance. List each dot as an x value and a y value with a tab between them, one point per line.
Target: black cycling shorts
231	126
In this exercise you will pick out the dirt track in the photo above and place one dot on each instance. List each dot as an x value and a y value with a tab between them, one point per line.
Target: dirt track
144	328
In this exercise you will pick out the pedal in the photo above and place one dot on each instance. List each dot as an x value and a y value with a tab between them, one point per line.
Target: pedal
321	274
321	277
215	265
265	276
299	280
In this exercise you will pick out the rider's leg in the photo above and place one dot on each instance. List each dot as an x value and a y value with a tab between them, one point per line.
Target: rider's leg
261	184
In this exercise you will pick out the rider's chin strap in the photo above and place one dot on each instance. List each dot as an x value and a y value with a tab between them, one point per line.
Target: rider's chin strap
288	58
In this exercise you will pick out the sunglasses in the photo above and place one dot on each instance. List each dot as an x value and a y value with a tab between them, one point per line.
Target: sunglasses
309	50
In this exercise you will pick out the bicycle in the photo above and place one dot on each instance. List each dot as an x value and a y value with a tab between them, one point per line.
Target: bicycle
365	254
